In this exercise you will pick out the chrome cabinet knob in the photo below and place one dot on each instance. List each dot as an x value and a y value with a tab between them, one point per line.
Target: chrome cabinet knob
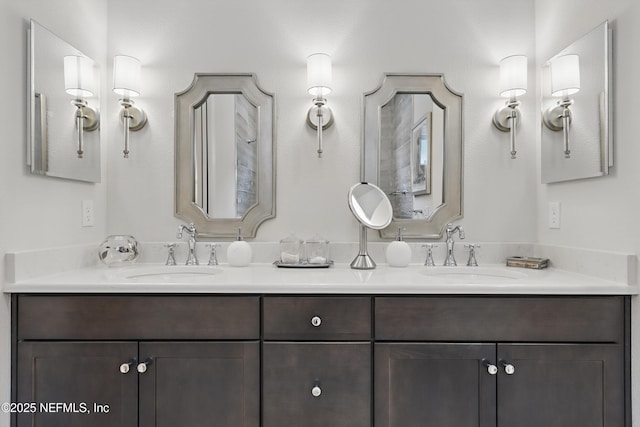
142	367
126	367
316	391
316	321
491	368
509	369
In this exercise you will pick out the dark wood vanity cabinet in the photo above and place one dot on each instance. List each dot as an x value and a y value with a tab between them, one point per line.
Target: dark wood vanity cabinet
81	375
317	361
137	361
344	361
525	362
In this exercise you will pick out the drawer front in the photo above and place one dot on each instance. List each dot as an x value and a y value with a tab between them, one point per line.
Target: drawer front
317	318
544	319
316	384
122	317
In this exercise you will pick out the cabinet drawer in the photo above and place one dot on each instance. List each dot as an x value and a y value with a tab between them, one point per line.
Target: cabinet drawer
317	318
122	317
316	384
544	319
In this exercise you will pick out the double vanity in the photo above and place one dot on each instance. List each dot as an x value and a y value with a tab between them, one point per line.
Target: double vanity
159	345
262	346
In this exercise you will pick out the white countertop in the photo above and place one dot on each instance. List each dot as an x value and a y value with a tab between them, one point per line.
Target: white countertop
339	279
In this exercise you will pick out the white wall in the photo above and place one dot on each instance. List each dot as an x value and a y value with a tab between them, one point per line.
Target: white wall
464	39
600	213
38	212
585	203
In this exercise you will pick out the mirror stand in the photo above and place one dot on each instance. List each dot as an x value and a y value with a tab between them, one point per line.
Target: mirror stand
372	208
363	261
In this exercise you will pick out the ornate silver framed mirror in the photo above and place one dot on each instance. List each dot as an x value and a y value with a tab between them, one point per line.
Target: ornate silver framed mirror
225	154
413	151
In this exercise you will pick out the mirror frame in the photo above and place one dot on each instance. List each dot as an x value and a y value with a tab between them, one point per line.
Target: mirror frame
203	85
451	102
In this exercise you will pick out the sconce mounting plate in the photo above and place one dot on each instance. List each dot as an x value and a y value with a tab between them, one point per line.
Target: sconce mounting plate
138	117
312	117
552	117
91	118
502	117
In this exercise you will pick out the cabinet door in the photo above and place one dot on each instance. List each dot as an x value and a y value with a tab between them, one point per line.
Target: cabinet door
317	384
198	384
67	379
444	385
557	385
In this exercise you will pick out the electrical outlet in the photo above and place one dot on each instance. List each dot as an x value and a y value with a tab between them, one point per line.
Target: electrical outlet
87	213
554	214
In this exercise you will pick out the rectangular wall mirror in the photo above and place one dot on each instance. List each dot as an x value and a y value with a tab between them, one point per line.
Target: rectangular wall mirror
577	136
54	105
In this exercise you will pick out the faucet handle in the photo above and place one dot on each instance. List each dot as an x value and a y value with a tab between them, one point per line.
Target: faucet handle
471	262
213	259
429	260
171	260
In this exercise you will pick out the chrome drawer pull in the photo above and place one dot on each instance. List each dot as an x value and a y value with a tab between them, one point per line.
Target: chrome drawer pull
316	391
316	321
509	369
126	367
491	368
142	367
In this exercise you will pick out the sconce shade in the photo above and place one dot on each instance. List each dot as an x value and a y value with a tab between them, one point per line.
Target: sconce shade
78	76
565	75
126	76
319	74
513	76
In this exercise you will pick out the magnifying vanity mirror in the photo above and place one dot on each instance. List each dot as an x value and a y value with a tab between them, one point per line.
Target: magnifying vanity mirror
55	147
582	146
372	208
225	160
413	151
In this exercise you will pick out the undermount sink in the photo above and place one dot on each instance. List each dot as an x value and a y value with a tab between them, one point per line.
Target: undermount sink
170	274
466	274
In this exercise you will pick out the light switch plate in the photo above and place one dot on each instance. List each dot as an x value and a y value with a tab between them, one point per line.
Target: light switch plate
88	219
554	215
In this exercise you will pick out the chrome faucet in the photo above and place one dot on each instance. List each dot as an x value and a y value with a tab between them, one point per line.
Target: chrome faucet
450	230
191	229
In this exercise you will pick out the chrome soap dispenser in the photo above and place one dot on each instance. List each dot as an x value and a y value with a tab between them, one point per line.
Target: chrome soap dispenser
398	252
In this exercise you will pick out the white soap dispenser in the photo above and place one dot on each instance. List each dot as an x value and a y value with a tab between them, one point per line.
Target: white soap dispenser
398	252
239	253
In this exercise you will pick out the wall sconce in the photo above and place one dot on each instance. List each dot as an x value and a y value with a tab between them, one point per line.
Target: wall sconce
78	81
565	81
126	83
513	83
319	116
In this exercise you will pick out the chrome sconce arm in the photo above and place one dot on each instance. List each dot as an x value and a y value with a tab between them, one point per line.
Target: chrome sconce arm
319	118
319	76
507	119
513	83
126	83
565	81
86	119
79	82
132	119
558	118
